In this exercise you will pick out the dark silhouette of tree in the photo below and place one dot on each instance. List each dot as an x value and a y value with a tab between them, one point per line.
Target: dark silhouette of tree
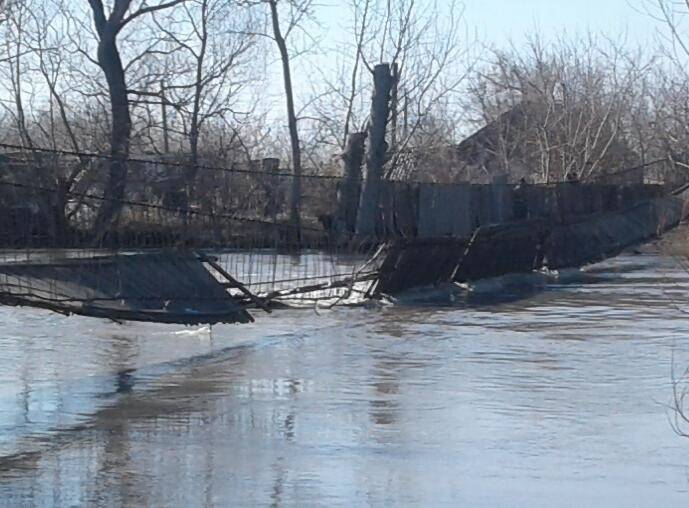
108	26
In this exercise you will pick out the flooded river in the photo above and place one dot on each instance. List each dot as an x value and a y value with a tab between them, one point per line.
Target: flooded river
530	392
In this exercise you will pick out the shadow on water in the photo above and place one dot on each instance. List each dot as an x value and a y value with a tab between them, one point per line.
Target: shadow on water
147	393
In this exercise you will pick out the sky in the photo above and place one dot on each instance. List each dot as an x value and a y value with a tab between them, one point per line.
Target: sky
501	21
503	24
498	21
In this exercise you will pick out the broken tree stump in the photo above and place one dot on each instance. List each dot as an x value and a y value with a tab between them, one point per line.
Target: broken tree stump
368	218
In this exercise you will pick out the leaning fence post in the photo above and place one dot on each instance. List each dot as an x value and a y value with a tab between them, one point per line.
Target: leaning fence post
369	216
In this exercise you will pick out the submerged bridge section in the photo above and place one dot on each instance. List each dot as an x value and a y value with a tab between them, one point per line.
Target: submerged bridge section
553	242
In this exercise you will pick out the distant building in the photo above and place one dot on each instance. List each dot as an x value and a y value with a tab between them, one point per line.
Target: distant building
506	151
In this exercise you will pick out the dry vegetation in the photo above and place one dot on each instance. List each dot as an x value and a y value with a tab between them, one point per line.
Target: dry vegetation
221	82
189	77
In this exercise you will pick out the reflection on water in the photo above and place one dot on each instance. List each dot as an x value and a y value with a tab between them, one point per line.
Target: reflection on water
528	391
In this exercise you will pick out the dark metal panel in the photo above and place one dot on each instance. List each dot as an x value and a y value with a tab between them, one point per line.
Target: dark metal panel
161	287
419	263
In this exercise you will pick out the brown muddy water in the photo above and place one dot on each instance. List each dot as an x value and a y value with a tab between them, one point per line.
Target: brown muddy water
529	392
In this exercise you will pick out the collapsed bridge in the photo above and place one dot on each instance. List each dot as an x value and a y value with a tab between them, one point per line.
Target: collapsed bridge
227	248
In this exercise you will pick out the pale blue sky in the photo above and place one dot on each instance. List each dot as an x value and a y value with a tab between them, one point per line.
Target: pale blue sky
499	20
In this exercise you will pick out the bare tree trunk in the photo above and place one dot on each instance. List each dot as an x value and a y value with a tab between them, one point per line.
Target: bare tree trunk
108	27
194	130
353	157
109	59
369	216
193	167
111	64
295	202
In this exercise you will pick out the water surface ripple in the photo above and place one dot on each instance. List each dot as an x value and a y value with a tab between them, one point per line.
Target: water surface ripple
527	392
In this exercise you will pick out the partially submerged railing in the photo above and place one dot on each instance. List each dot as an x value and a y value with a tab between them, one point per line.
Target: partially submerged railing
235	220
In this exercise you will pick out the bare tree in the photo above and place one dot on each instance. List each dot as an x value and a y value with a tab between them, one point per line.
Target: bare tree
108	26
16	51
3	12
556	112
210	40
429	59
671	95
4	9
298	9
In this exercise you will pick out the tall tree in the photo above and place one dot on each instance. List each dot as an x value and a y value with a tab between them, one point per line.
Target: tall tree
429	59
108	26
298	9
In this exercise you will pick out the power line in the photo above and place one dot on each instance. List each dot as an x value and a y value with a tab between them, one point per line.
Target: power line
252	172
202	167
152	206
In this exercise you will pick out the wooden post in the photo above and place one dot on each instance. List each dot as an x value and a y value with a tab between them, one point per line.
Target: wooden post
348	198
369	215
